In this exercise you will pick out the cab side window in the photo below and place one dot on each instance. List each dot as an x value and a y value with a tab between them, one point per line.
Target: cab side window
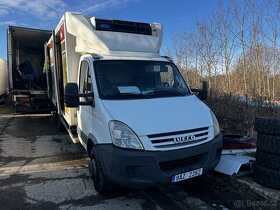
85	85
89	85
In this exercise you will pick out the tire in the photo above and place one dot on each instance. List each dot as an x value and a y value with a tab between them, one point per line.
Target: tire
267	125
267	177
101	184
268	143
3	99
268	160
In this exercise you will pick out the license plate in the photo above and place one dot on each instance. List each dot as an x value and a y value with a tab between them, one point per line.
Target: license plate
187	175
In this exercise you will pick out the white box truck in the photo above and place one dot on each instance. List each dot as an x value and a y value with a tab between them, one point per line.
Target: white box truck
25	52
4	82
130	108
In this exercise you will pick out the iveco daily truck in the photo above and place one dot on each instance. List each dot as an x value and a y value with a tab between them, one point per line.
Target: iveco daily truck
130	108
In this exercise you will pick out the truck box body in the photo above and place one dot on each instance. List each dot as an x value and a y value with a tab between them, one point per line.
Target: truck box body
25	66
129	107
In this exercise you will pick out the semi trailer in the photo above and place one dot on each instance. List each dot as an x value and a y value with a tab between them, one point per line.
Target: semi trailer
27	79
128	106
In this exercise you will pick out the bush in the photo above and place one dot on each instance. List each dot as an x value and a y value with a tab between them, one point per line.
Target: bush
237	113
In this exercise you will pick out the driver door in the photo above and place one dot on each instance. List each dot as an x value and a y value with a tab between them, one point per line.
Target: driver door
85	112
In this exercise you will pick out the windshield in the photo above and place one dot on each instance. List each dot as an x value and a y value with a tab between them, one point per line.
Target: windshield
138	79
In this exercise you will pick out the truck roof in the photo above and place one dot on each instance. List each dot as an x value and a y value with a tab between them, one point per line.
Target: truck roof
125	56
113	37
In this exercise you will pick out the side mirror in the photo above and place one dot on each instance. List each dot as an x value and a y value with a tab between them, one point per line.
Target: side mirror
202	93
71	95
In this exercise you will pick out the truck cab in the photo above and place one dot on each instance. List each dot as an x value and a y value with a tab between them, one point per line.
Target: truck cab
142	123
129	107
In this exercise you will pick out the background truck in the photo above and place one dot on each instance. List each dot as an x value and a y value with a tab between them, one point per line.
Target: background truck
27	79
4	83
129	107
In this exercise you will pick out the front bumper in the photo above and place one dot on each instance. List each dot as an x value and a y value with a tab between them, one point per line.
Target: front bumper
142	169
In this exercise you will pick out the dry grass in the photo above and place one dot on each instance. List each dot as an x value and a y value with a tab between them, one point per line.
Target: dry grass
238	116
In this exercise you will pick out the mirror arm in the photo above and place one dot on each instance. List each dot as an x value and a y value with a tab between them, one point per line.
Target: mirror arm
195	90
85	95
84	103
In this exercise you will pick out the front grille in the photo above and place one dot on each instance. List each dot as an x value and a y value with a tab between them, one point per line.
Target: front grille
189	162
177	132
165	141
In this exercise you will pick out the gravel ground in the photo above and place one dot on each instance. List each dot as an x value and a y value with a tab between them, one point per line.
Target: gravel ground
40	168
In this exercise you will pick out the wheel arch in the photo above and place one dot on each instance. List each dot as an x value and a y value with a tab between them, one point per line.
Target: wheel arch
91	141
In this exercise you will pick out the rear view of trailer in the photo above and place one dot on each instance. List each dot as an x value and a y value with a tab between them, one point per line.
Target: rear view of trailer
26	68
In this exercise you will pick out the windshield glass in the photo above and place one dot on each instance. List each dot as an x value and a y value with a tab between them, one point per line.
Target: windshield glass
138	79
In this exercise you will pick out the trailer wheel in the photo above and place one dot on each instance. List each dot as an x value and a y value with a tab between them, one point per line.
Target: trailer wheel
267	176
101	184
267	125
3	99
268	143
268	160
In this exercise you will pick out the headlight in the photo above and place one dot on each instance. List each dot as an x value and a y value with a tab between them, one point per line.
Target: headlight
215	124
123	136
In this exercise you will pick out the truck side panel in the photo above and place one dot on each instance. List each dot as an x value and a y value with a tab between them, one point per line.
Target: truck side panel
9	57
3	78
72	61
64	62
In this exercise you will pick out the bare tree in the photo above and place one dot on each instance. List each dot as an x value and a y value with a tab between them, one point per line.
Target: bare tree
236	49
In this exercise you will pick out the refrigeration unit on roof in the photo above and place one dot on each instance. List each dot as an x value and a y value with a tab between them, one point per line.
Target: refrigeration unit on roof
109	37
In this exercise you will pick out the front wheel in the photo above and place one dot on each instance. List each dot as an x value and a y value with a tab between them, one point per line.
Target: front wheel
101	184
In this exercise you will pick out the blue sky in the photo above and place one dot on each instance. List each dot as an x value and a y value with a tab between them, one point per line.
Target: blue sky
176	15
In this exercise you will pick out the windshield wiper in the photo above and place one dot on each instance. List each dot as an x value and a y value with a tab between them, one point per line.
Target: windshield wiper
173	92
126	95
